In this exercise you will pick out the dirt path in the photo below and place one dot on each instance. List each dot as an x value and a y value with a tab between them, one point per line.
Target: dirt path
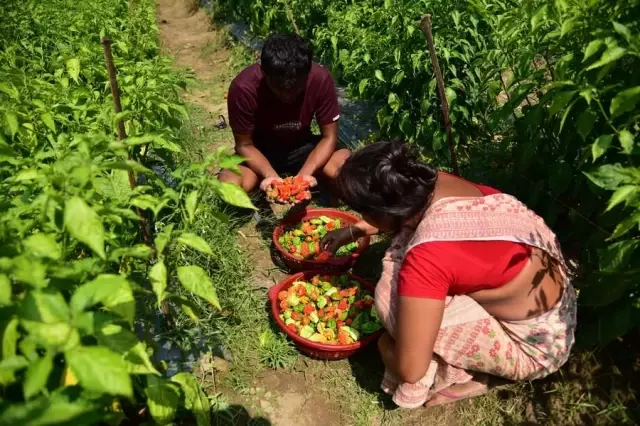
186	32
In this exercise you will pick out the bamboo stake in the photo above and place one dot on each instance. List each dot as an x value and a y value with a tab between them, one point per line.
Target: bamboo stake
122	134
425	25
290	16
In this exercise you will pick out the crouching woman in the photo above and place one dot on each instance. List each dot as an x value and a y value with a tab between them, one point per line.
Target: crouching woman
474	283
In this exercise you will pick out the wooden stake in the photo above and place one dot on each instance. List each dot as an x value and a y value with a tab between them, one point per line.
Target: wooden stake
425	25
290	16
122	134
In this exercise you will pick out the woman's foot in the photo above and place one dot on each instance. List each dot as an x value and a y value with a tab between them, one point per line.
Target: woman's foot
479	385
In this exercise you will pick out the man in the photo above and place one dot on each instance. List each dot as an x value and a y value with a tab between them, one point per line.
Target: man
271	106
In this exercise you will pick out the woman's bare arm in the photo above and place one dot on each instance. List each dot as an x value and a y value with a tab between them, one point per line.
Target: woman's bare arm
418	321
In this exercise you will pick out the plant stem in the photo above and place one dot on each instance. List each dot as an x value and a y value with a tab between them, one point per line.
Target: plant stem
425	25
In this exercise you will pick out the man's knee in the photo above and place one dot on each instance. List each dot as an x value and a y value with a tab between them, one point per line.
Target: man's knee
247	179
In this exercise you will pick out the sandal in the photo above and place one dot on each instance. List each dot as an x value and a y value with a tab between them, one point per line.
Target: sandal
448	395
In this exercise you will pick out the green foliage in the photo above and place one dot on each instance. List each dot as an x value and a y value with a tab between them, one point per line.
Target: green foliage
74	263
550	86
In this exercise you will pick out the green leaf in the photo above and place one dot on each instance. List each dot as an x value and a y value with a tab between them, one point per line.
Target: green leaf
163	398
37	376
406	125
10	90
363	85
196	280
379	75
195	242
43	245
234	195
190	203
188	307
622	194
560	101
585	123
622	30
625	226
612	54
158	280
122	341
26	174
29	270
100	370
624	101
73	68
9	366
397	79
231	162
600	146
84	225
5	290
113	291
394	101
615	257
592	48
11	121
10	338
450	94
46	306
163	238
66	406
48	121
626	141
138	251
195	399
610	176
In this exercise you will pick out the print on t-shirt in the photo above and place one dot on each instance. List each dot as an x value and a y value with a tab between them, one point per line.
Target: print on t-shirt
289	126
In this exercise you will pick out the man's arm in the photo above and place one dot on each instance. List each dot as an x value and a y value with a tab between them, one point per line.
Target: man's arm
323	151
255	160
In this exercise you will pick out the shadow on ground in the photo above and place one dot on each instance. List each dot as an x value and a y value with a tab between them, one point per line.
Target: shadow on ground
237	415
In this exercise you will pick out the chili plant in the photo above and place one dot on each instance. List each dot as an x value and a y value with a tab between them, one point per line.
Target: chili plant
73	260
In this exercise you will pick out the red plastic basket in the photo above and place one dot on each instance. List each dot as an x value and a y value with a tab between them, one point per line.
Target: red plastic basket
332	264
313	349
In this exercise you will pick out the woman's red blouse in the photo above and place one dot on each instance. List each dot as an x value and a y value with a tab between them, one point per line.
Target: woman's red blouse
439	268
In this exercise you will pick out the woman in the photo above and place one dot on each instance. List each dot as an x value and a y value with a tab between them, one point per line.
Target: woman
473	282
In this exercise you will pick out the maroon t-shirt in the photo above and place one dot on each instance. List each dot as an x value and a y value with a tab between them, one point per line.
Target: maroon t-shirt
255	110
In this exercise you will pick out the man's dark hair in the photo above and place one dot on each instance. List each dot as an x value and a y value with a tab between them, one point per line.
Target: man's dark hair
286	58
387	180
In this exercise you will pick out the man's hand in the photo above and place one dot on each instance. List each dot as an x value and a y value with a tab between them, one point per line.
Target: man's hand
310	180
266	182
338	238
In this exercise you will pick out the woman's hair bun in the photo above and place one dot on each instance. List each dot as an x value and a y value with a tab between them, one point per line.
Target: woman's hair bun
390	176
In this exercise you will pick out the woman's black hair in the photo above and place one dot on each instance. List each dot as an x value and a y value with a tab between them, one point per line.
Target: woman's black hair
387	179
286	58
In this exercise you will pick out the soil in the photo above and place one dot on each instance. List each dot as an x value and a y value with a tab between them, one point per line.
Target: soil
279	398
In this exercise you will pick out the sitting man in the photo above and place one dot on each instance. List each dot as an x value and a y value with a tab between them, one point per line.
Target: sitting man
271	106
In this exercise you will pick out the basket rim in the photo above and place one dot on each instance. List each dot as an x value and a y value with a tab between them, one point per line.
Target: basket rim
363	243
275	312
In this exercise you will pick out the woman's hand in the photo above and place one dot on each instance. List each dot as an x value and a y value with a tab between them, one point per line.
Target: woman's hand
338	238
